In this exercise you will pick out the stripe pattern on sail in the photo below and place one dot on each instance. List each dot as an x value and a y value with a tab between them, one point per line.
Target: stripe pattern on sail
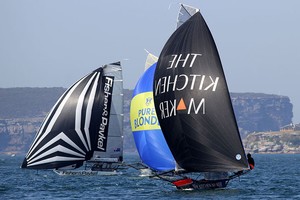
64	137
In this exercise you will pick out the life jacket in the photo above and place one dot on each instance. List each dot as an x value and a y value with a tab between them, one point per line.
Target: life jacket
251	166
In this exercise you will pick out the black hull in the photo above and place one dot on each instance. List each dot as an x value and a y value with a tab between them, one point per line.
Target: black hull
186	184
210	184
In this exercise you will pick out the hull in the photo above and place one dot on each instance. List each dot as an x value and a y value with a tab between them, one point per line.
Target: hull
97	168
210	184
190	184
85	173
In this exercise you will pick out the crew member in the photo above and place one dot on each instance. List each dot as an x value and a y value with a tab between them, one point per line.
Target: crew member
250	161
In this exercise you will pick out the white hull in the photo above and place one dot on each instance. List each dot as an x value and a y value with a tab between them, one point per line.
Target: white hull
85	173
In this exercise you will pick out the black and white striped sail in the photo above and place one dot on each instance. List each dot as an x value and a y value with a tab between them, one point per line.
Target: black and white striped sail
86	123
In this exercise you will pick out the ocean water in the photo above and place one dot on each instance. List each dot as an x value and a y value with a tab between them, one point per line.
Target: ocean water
275	177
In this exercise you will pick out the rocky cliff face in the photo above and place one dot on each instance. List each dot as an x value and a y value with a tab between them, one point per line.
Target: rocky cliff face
17	134
254	112
261	112
273	142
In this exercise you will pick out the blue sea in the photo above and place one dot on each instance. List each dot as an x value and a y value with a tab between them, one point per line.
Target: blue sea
275	177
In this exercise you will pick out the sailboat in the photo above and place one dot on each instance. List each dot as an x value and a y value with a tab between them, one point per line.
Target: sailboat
149	140
84	128
195	112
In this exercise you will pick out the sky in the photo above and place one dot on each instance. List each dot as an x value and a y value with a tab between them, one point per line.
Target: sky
53	43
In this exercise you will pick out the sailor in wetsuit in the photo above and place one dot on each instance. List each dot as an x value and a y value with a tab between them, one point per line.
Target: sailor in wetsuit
250	161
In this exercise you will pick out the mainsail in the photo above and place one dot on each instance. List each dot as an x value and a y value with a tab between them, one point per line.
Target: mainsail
79	126
193	104
114	148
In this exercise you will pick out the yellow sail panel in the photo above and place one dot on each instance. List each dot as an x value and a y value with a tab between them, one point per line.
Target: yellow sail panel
142	114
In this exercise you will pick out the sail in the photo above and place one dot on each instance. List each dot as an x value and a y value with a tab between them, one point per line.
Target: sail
192	102
149	140
77	125
150	60
114	147
185	12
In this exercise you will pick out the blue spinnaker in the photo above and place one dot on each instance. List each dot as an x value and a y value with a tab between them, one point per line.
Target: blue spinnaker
149	140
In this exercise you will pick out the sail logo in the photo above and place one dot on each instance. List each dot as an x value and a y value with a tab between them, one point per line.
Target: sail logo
189	86
148	101
180	61
170	108
186	82
180	82
103	129
142	113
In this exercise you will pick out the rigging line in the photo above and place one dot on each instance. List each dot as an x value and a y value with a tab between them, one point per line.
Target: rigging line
159	174
160	177
147	51
235	175
135	165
